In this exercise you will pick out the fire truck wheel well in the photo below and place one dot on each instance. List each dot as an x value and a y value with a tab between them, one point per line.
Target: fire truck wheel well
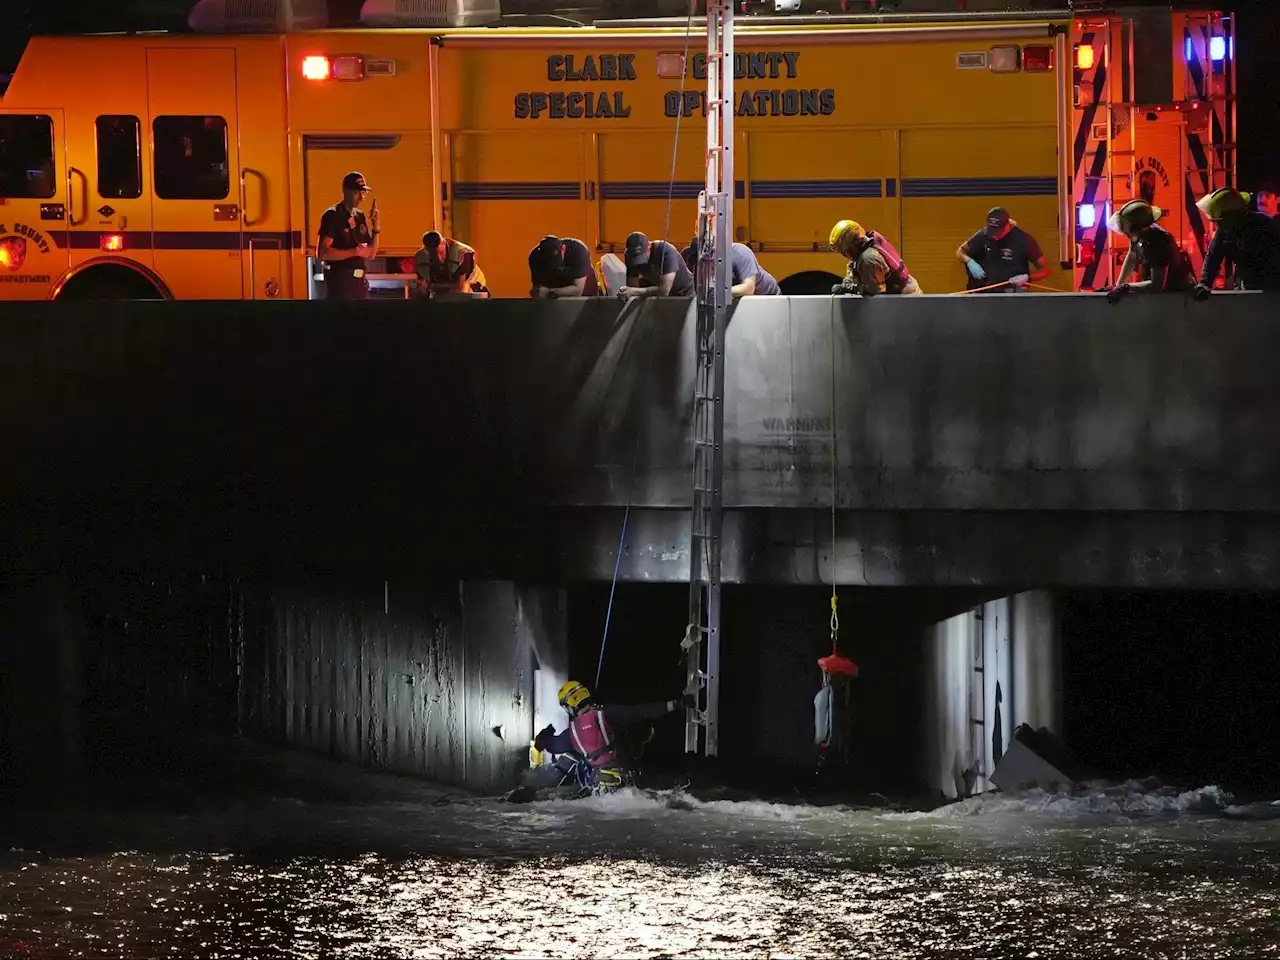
808	284
111	281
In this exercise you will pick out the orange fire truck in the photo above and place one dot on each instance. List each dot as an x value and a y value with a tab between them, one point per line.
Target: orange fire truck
198	165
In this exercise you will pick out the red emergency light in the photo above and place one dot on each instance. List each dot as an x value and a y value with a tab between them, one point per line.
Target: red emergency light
1037	59
112	242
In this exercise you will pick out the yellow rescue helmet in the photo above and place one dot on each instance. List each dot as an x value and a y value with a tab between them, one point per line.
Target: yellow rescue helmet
844	233
572	694
1134	215
1218	204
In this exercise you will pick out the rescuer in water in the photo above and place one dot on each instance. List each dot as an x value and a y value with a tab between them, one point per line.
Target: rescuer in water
1153	253
561	268
749	278
1250	238
348	240
654	269
589	751
447	266
1002	255
874	266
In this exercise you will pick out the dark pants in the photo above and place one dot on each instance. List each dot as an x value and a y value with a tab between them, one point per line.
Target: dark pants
344	286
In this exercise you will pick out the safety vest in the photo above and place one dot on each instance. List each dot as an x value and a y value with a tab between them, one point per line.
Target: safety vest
896	280
592	738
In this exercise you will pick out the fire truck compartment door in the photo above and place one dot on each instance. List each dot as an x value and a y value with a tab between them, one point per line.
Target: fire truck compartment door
191	94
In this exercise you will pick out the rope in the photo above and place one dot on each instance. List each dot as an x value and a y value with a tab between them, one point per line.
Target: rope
1001	286
835	612
635	455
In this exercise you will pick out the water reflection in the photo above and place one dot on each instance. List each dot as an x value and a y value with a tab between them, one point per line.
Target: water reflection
638	876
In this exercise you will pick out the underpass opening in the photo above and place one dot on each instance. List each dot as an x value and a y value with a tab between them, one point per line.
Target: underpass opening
773	637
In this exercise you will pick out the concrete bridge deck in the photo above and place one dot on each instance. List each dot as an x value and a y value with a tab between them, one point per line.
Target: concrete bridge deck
1048	440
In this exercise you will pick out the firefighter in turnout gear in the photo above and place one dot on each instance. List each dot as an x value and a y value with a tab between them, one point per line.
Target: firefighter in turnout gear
1153	253
589	749
874	265
1249	238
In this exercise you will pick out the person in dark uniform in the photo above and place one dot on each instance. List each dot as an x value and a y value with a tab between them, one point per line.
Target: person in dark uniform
348	240
561	268
1251	239
1154	254
1002	253
446	266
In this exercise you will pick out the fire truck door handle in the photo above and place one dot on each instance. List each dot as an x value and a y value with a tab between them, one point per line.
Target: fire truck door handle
245	174
72	173
591	190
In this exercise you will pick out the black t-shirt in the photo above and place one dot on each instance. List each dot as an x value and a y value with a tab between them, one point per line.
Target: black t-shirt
575	265
1003	259
347	230
1155	247
664	259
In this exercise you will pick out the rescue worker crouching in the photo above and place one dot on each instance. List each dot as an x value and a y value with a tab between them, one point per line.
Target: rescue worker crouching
348	240
446	266
1002	255
595	752
1153	253
749	279
561	268
874	265
1250	238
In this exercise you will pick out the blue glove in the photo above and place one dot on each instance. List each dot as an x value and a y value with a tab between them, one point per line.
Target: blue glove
975	270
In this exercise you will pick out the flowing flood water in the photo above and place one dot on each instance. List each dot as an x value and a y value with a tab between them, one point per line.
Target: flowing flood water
375	866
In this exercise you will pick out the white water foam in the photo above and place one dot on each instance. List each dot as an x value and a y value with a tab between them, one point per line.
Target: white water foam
1131	798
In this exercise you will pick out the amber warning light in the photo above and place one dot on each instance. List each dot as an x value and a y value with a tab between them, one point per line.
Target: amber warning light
345	67
315	68
112	242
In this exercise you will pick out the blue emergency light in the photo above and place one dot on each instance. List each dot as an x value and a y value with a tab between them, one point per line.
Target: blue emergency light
1087	216
1219	49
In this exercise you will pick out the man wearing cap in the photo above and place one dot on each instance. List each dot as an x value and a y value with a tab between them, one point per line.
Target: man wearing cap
655	270
445	266
347	240
1002	256
1153	253
561	268
749	278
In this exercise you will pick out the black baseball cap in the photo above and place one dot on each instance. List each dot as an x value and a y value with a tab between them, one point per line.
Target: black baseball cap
997	219
548	248
637	254
354	181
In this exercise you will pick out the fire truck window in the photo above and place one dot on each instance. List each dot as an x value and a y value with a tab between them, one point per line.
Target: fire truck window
26	157
191	158
119	158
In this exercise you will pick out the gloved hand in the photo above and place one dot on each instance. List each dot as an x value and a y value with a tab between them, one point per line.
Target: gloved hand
1020	281
1200	292
838	289
689	701
975	270
544	737
1116	293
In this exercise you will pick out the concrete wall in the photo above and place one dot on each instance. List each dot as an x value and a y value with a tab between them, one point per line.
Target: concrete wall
130	672
1142	440
988	671
436	682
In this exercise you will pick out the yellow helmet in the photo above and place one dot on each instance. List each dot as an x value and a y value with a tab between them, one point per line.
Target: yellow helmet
1218	204
844	233
1134	215
572	694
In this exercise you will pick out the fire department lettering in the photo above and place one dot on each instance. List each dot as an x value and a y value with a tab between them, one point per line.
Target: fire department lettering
578	105
608	66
